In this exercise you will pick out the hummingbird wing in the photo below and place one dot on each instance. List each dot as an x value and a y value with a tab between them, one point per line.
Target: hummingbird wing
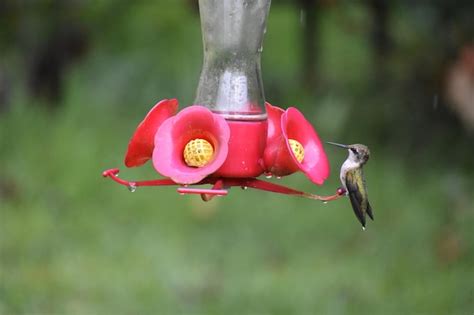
369	211
358	194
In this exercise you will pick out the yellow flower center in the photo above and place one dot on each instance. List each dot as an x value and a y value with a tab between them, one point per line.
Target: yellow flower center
297	149
198	153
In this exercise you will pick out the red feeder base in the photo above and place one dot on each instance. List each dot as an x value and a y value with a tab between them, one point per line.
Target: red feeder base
246	144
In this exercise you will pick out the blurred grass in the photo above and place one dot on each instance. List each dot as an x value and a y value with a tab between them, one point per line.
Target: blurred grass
72	242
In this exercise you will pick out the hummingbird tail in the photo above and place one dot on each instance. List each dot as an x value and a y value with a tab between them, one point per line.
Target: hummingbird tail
356	206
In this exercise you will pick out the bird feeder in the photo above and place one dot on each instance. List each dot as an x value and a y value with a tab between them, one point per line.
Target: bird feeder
230	136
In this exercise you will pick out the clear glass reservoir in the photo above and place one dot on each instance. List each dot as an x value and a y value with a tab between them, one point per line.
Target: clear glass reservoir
231	83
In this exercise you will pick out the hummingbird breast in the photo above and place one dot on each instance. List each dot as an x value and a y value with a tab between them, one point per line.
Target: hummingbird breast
348	165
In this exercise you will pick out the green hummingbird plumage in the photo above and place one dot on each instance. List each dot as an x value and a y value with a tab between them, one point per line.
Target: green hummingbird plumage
353	181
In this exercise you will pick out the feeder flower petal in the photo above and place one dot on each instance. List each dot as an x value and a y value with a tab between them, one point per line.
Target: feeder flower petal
142	143
274	114
173	136
290	128
275	142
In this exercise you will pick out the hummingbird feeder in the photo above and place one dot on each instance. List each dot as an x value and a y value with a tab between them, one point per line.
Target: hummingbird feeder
230	136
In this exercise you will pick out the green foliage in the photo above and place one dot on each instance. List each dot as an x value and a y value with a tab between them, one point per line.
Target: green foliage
72	242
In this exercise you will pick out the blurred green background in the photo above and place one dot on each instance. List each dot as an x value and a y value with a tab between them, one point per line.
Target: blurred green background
76	77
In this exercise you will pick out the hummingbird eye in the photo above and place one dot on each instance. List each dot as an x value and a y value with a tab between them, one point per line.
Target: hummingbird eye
354	150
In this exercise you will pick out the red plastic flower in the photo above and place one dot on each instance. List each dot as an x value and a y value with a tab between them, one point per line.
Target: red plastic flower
287	128
142	143
194	122
195	147
292	144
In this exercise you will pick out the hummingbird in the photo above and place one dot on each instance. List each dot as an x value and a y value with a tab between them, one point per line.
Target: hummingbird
353	181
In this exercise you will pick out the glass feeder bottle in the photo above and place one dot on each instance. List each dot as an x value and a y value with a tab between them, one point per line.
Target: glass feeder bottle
231	83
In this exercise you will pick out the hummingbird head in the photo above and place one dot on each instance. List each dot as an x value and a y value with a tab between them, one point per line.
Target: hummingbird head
358	153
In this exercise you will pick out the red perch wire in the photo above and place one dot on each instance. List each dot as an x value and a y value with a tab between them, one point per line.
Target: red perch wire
221	186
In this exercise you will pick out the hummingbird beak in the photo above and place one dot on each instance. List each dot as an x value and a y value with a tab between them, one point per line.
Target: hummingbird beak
338	145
